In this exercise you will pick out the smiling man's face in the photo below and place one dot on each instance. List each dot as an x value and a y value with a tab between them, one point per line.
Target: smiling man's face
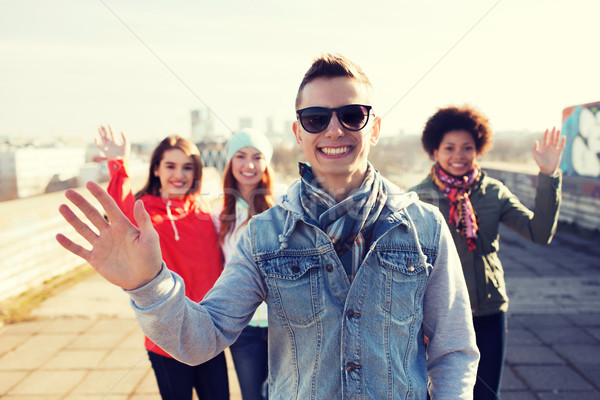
338	156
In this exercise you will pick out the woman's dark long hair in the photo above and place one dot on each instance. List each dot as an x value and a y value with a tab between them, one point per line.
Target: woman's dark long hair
152	186
261	199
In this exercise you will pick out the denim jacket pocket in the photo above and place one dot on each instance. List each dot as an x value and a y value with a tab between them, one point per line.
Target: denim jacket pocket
403	280
295	283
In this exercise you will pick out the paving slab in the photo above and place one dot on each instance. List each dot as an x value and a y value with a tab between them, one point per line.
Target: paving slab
546	320
591	319
75	359
517	395
568	396
521	336
532	354
511	382
591	372
565	293
113	381
48	383
579	353
564	335
9	379
96	298
559	378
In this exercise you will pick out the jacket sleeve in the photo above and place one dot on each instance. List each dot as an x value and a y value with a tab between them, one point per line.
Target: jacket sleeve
196	332
452	354
119	187
540	225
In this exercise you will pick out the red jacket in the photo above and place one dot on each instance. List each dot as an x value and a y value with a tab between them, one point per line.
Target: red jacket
188	238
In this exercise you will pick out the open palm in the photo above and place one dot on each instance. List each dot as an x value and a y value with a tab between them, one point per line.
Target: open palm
109	146
123	254
548	153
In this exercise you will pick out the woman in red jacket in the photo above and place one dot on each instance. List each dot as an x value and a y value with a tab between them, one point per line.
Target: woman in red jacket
188	241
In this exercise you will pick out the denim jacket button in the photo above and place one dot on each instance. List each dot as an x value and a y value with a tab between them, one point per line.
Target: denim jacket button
329	268
351	366
352	314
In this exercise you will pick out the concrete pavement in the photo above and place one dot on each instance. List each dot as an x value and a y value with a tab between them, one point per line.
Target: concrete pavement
554	318
85	343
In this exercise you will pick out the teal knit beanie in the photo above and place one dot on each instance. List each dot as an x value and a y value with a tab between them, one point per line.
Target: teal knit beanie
252	138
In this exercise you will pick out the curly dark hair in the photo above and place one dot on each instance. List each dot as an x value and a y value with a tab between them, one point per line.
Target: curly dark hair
452	118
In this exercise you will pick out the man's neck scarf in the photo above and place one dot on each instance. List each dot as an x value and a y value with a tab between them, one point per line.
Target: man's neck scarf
349	223
462	215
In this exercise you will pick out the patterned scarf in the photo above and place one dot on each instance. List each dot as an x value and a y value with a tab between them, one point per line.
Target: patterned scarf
349	223
457	190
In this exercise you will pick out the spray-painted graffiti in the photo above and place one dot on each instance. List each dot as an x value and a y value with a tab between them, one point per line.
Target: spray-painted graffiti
581	126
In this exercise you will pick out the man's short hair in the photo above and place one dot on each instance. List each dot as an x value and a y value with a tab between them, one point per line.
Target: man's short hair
332	66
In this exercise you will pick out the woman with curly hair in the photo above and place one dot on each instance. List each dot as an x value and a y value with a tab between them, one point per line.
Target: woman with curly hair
474	205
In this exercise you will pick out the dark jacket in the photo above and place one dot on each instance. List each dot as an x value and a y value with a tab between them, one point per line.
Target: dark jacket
494	203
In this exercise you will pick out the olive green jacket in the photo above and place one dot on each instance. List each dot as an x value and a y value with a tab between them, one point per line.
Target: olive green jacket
494	203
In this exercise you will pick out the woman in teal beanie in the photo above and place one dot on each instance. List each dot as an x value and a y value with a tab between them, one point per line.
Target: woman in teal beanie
248	190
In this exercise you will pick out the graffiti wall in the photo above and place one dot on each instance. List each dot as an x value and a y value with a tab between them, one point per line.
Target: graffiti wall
581	126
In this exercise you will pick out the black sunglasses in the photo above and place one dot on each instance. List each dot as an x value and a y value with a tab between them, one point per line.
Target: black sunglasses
353	117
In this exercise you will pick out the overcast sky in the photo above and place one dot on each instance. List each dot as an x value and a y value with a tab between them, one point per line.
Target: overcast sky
67	66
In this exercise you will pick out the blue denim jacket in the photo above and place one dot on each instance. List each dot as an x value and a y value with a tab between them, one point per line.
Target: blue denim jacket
329	338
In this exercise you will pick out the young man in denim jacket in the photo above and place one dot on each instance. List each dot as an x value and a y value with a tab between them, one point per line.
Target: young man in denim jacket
357	275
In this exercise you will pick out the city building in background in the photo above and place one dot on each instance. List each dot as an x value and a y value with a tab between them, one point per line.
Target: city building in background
245	122
287	135
270	131
203	127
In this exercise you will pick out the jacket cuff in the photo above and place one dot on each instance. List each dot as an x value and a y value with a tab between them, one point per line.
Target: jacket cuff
154	292
117	165
554	180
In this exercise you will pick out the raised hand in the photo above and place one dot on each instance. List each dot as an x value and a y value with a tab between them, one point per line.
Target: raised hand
109	146
123	254
547	155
